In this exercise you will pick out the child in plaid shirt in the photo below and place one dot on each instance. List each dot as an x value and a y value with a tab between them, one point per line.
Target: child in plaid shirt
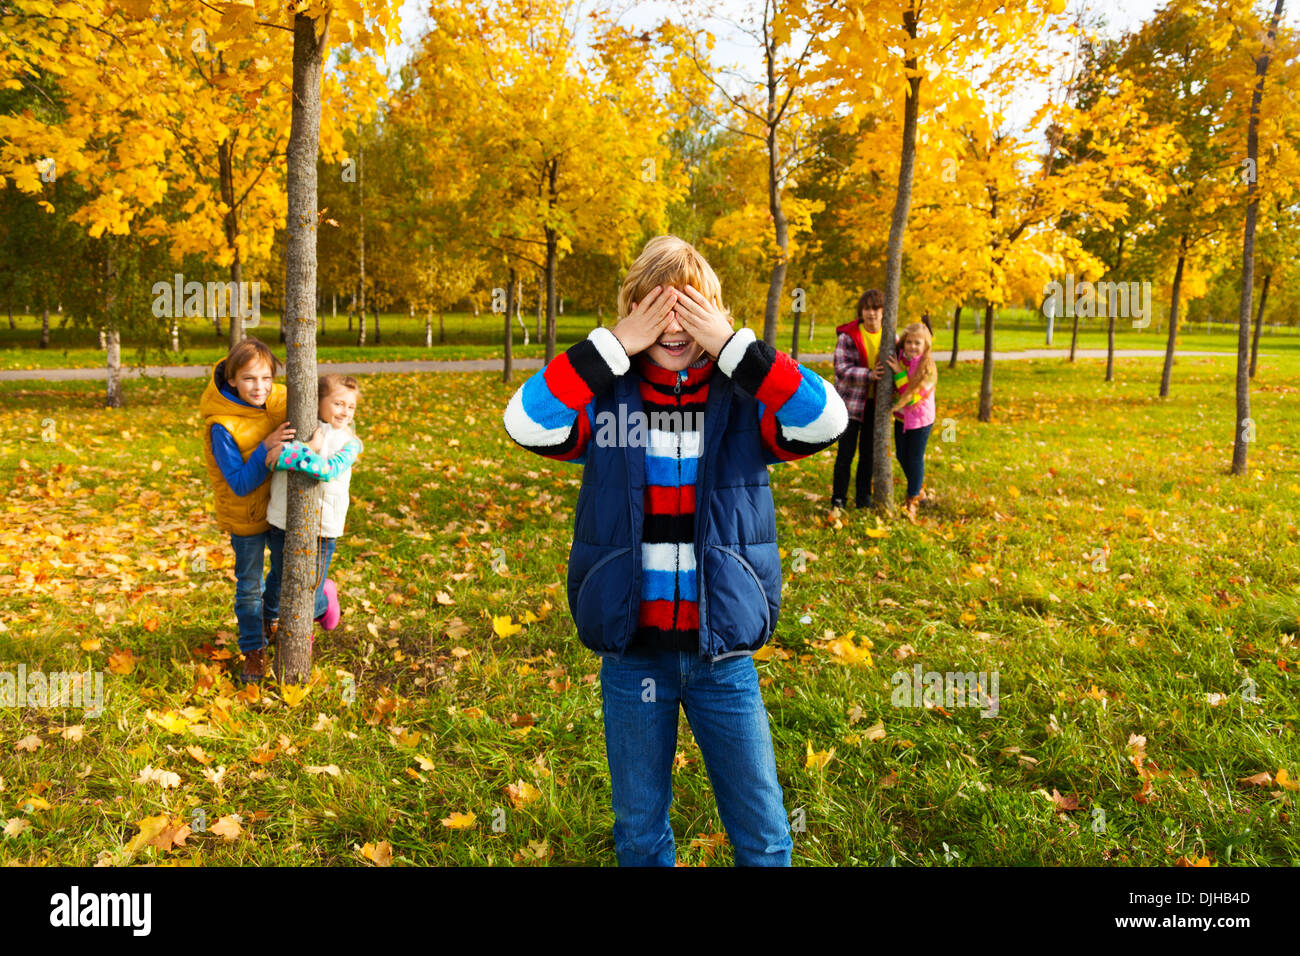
856	374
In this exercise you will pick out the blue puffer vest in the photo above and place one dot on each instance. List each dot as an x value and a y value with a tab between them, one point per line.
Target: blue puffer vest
738	568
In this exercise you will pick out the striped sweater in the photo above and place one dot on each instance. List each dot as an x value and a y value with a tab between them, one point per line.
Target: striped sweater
551	414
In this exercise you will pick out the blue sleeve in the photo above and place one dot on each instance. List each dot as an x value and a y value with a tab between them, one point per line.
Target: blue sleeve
243	477
296	456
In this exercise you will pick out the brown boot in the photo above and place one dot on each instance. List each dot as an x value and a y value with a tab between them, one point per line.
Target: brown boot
909	507
254	666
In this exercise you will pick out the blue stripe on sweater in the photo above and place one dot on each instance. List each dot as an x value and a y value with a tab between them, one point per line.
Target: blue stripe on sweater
658	585
808	401
663	471
542	406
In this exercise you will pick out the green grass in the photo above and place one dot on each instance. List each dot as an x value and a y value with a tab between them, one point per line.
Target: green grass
1004	572
468	336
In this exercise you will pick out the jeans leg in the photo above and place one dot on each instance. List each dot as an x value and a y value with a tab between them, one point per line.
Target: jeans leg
639	696
917	440
250	556
324	555
866	460
844	460
271	593
725	709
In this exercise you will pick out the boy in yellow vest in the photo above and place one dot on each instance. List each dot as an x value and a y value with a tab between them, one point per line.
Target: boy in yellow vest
244	420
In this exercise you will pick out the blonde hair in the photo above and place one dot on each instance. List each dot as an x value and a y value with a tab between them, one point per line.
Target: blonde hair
928	375
669	261
326	384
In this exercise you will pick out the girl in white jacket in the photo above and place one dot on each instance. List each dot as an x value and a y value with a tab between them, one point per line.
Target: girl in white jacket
328	457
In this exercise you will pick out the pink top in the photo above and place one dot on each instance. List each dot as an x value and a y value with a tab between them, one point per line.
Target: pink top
919	412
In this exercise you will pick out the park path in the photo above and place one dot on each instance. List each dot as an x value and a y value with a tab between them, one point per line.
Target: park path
524	364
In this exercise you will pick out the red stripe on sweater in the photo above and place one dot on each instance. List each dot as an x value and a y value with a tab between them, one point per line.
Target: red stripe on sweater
663	500
768	429
781	381
565	383
660	614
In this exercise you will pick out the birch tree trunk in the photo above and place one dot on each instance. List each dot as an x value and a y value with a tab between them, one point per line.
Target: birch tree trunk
508	370
882	466
298	586
1245	430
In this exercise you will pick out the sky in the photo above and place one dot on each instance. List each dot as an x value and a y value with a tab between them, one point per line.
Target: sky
735	48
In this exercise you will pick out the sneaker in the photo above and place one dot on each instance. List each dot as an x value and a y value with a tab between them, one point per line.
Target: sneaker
254	666
271	630
839	503
330	619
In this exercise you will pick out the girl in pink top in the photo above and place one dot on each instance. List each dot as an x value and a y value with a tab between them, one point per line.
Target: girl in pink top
915	378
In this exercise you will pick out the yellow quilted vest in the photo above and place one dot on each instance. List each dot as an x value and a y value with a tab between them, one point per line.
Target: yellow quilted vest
248	426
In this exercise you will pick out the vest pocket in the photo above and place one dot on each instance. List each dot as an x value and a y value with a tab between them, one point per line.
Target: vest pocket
603	601
738	609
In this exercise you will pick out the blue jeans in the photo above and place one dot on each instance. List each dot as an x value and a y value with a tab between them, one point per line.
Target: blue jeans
271	597
639	697
909	446
250	558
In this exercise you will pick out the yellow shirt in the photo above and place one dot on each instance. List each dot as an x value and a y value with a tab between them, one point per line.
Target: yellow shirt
872	342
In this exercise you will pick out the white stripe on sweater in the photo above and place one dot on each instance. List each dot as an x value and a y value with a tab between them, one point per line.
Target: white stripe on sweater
831	423
665	444
526	431
663	556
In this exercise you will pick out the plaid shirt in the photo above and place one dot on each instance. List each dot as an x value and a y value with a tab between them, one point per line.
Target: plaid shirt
851	377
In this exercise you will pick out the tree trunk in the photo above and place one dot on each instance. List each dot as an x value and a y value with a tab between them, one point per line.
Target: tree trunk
1074	335
235	304
775	286
882	470
794	338
352	308
298	584
226	177
1259	322
956	332
551	260
508	369
986	379
376	326
1110	318
10	306
334	310
45	325
112	341
1244	432
113	345
1167	373
361	241
428	329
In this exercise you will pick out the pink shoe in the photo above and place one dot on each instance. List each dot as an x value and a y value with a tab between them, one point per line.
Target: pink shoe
330	619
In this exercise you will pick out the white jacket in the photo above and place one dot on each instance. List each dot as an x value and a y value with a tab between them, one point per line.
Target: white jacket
334	493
